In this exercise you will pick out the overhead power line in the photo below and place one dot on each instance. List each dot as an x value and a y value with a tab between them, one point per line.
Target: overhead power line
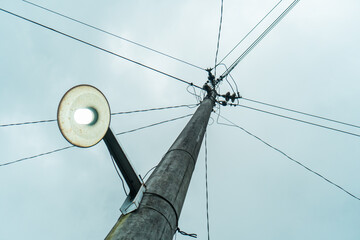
207	189
26	123
154	124
304	113
218	39
116	113
36	156
250	32
155	109
298	120
114	35
290	158
254	44
121	133
100	48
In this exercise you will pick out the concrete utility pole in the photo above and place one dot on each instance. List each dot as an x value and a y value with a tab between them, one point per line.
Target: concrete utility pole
159	211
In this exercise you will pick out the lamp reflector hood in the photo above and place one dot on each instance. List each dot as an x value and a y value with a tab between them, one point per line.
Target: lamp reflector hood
83	115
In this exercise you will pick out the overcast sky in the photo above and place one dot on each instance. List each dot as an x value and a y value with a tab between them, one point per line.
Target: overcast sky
309	62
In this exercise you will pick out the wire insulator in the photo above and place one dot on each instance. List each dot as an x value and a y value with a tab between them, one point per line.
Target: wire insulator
227	96
233	96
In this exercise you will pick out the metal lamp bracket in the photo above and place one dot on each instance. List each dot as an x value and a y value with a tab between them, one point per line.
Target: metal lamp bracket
131	204
132	179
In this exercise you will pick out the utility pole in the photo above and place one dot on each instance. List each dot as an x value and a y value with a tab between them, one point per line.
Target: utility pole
158	214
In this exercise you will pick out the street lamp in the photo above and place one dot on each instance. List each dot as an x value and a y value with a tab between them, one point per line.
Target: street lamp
84	118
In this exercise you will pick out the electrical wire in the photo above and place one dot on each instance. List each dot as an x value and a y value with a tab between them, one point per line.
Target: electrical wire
26	123
226	78
113	114
114	35
290	158
156	109
193	235
250	32
61	149
207	188
117	171
218	113
304	113
218	39
211	121
232	89
298	120
254	44
149	171
154	124
236	86
36	156
197	97
125	132
100	48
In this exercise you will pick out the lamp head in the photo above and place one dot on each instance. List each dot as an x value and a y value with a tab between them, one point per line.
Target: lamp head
83	116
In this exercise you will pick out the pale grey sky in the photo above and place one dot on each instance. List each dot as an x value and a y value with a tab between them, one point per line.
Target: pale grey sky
309	62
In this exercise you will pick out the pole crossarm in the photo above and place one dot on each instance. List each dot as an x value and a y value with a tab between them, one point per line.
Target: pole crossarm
158	214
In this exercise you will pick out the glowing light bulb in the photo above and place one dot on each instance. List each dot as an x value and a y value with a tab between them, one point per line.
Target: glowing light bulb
85	116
